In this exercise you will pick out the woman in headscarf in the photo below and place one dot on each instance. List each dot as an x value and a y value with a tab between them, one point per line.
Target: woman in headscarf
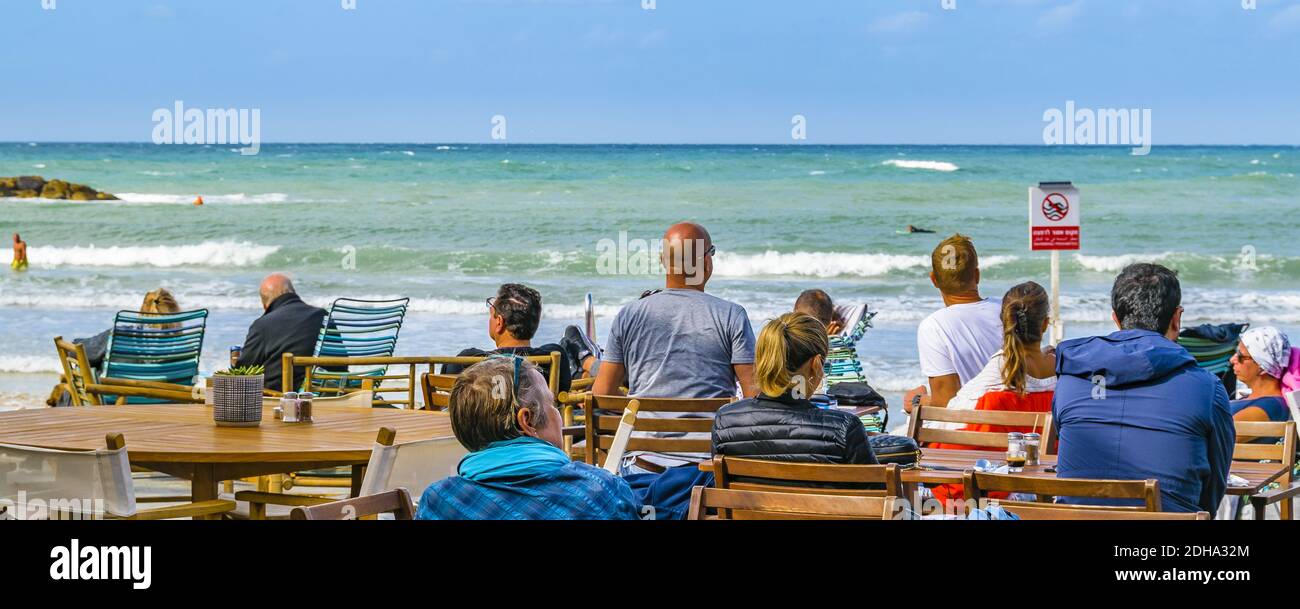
1262	358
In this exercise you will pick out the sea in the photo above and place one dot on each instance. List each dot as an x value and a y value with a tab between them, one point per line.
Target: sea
445	224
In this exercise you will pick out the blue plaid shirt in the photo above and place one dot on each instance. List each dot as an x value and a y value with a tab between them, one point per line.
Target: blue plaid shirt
576	491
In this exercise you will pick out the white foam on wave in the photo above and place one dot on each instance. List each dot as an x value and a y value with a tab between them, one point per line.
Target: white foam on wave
827	264
29	364
930	165
208	253
230	199
1115	264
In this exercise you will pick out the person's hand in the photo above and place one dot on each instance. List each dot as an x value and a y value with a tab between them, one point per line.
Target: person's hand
834	329
910	398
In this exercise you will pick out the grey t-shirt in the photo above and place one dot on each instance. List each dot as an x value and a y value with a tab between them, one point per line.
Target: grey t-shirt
681	343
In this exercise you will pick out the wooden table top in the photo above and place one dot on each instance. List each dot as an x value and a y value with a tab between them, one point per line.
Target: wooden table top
176	433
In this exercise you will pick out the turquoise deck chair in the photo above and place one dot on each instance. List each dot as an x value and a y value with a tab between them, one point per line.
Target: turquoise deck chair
357	328
161	348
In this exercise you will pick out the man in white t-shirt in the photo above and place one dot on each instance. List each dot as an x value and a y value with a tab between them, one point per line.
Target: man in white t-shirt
957	341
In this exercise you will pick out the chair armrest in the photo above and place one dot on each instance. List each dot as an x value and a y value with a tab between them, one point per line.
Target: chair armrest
122	391
188	510
1274	496
281	498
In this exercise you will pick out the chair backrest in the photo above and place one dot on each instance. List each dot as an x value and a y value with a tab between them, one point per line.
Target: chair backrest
39	483
813	478
162	348
979	484
412	465
397	502
1049	512
1281	452
357	329
436	388
77	372
688	416
1293	403
760	505
361	328
976	439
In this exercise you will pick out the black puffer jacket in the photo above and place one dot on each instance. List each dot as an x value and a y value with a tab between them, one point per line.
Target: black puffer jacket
786	429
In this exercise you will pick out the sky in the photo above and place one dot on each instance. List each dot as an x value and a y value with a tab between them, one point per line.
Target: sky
675	71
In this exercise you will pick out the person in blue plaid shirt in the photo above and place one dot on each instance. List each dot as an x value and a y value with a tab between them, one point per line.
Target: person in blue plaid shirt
503	412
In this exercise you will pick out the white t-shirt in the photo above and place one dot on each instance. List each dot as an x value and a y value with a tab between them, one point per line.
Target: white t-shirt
960	339
989	379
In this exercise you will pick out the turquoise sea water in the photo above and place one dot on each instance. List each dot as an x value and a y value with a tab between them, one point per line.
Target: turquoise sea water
445	224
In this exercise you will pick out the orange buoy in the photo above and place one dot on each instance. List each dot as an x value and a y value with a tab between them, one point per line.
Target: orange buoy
198	201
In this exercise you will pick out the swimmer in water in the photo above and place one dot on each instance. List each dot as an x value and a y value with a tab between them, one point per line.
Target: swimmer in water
20	254
913	229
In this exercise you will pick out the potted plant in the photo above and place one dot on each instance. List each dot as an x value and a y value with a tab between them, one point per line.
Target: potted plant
237	397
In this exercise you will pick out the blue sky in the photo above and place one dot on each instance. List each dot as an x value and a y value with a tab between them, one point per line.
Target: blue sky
688	71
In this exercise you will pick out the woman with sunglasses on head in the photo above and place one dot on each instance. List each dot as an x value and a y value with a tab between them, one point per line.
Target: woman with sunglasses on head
781	424
503	412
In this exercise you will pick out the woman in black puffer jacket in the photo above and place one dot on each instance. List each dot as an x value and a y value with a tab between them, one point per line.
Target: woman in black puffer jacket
781	424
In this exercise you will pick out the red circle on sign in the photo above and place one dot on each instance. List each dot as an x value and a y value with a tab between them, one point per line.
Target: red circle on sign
1056	207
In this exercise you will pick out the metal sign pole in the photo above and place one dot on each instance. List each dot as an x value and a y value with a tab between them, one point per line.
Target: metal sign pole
1058	324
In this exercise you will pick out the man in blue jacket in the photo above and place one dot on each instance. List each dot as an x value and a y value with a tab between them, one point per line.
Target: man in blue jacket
1133	405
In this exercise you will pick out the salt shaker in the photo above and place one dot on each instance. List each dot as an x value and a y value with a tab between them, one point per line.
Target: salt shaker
289	404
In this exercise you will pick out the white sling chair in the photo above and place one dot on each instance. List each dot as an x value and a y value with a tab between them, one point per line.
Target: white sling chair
45	484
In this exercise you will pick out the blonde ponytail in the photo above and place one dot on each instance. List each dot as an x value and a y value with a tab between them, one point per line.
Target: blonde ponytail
785	345
1024	311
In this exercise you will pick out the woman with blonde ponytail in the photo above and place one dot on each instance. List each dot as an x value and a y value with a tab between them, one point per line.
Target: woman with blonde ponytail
1022	375
781	423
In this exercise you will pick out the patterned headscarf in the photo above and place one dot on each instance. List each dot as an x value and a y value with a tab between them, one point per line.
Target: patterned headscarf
1270	349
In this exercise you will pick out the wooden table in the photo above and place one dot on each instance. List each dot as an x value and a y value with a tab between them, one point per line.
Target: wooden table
183	441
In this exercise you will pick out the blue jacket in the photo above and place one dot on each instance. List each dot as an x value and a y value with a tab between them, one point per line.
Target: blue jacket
1156	415
576	491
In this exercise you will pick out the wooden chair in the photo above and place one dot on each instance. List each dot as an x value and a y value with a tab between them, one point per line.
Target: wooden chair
811	478
979	484
397	502
1282	452
437	390
264	496
405	394
98	475
917	430
87	389
760	505
1036	512
78	376
437	387
155	348
605	412
357	328
336	477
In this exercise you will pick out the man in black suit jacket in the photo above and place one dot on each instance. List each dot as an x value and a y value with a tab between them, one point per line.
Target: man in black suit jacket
288	326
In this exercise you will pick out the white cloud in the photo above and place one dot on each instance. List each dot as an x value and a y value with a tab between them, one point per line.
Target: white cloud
902	23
